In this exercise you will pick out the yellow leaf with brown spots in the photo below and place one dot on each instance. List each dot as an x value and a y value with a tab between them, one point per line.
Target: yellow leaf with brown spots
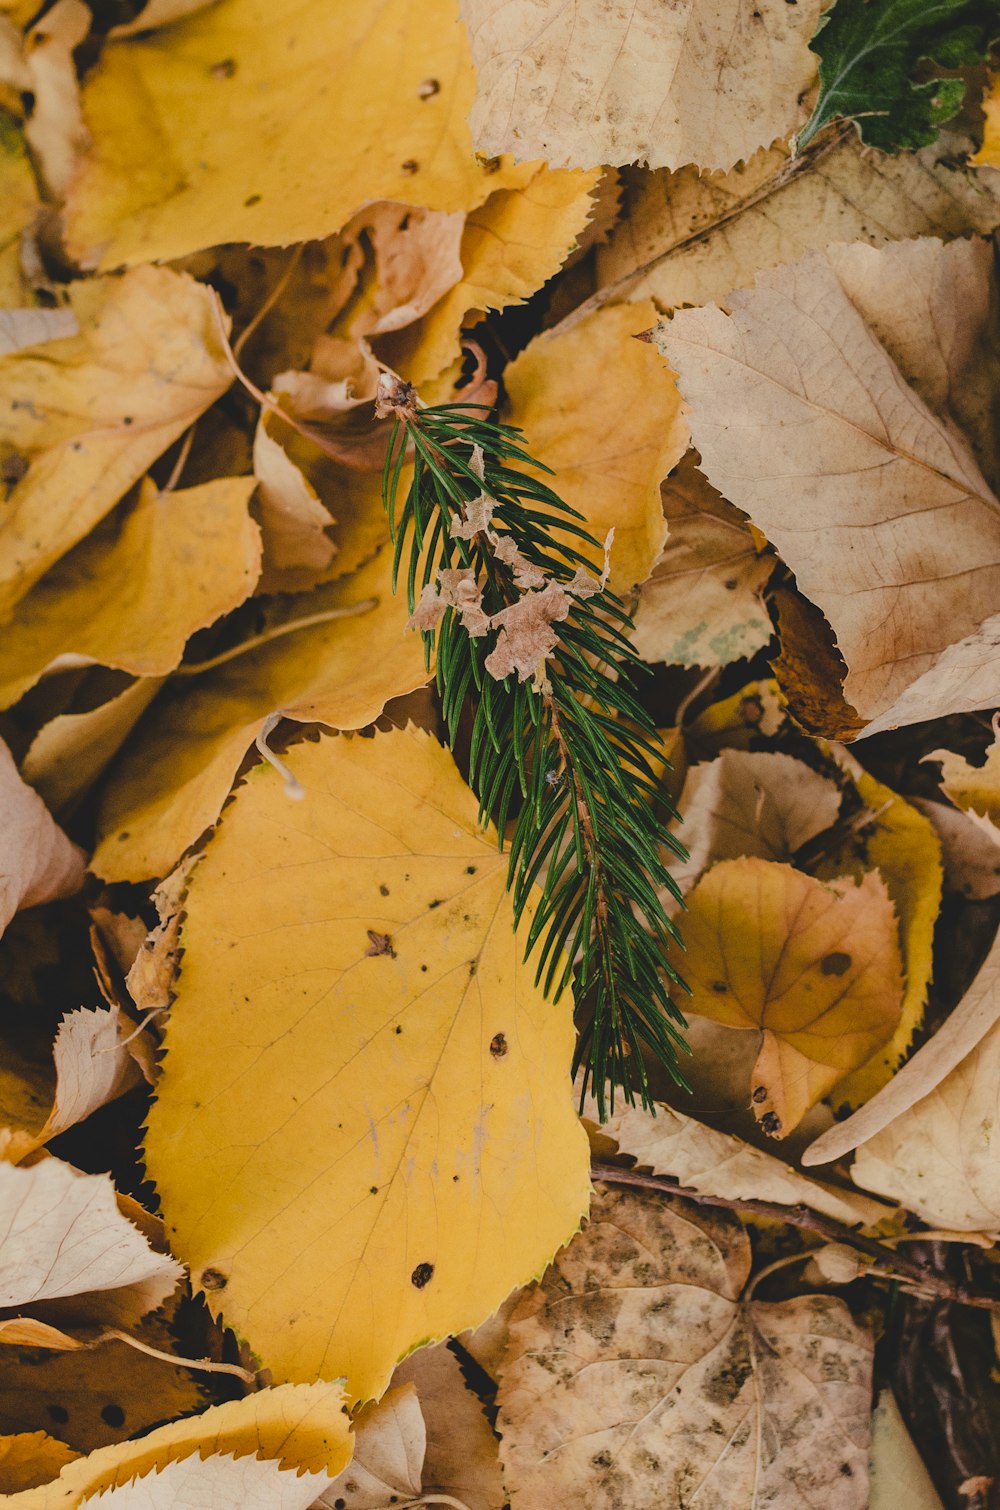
352	972
813	969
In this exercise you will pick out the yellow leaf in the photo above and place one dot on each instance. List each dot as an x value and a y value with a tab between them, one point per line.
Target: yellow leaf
610	445
345	104
132	593
579	84
29	1459
975	789
988	155
351	972
814	969
175	775
19	196
83	418
68	753
900	843
510	246
299	1426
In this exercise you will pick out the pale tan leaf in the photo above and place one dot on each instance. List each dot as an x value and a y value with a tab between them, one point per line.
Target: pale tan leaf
55	130
970	850
748	802
976	1015
703	604
707	233
717	1163
31	327
824	405
461	1457
221	1481
92	1065
389	1442
636	1376
66	1237
294	523
37	861
896	1469
580	84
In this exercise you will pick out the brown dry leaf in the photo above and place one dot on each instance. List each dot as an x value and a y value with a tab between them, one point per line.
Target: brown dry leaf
461	1457
69	753
389	1442
132	593
73	1241
93	1065
38	861
301	1427
31	1458
635	1375
704	84
87	415
173	779
294	524
970	852
814	970
940	1156
718	1163
976	1015
825	406
703	604
707	233
609	447
747	802
511	245
396	85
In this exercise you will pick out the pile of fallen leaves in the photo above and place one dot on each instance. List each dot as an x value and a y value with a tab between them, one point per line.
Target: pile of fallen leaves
296	1204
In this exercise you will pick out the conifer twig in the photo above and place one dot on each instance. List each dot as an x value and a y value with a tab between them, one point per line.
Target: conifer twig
536	648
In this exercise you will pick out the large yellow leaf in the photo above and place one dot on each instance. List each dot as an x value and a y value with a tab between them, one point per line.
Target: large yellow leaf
178	771
299	1426
707	233
813	969
272	124
609	444
637	1375
130	595
84	417
827	405
702	81
364	1135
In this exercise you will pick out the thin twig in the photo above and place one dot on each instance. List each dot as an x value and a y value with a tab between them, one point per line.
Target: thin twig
884	1259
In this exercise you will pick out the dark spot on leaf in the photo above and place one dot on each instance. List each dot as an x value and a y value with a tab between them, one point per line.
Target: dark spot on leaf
399	1028
223	69
771	1123
421	1275
383	890
470	870
602	1459
751	708
113	1415
373	1190
340	1504
428	89
760	1094
490	164
410	166
59	1414
126	419
250	201
473	966
836	963
212	1279
424	968
731	583
498	1046
379	943
719	987
846	1470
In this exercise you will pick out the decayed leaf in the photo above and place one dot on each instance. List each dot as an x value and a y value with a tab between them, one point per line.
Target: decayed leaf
132	593
300	1427
635	1375
707	233
173	780
407	1076
823	406
940	1157
898	1476
610	447
29	1459
814	969
718	1163
68	1238
703	84
19	195
511	245
749	802
976	1015
68	754
38	861
389	1443
900	843
395	84
223	1481
87	415
702	605
461	1457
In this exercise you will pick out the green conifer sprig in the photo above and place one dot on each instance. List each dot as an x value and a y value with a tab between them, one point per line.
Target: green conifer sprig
564	760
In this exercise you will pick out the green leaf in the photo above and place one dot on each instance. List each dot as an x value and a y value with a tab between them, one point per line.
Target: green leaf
870	52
